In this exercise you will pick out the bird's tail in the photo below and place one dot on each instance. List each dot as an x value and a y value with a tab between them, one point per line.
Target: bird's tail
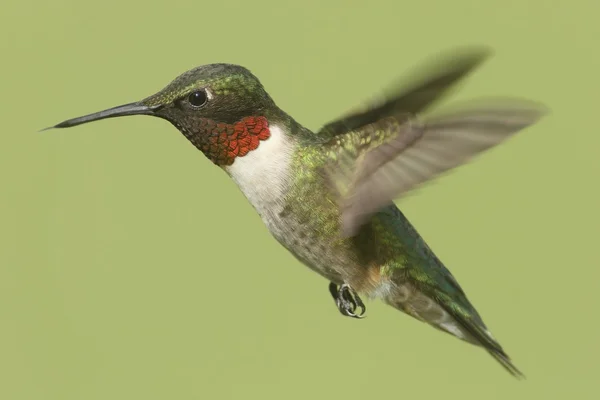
478	331
448	316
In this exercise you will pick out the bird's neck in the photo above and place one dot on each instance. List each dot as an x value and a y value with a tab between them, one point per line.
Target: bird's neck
264	174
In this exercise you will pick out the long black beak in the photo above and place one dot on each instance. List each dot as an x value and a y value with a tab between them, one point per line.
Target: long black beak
120	111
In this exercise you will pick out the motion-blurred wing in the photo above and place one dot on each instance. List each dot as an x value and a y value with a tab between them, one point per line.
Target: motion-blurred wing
380	162
432	81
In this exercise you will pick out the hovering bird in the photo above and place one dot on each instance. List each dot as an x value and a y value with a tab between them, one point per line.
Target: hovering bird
328	196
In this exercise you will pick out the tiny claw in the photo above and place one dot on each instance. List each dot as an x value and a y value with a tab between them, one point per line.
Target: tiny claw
347	300
361	305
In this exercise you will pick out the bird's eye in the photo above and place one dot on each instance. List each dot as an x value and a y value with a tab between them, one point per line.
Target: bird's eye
198	98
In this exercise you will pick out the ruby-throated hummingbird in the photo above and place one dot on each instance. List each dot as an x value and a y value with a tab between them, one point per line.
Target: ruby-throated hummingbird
327	196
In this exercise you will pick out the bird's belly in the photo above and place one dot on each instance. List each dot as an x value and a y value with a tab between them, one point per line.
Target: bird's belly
308	246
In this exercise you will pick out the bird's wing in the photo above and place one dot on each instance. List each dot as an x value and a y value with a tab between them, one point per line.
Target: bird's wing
432	81
371	166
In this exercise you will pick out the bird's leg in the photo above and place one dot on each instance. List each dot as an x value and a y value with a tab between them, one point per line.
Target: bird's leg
347	300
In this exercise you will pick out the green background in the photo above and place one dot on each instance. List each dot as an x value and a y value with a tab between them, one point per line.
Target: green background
132	268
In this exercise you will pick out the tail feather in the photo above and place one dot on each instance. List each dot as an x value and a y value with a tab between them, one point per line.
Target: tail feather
485	339
505	361
457	318
422	287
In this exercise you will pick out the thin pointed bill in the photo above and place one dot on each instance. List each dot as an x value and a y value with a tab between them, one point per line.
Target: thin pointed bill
120	111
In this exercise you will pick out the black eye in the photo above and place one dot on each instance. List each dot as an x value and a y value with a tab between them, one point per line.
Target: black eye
198	99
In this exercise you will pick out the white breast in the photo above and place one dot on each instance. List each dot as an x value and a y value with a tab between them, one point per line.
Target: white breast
263	175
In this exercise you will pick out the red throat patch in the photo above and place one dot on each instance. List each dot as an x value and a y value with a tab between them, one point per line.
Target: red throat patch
223	143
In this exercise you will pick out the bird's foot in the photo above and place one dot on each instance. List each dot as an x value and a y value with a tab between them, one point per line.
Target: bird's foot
347	300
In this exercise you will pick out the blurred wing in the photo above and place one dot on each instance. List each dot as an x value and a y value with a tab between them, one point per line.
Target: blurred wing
433	81
381	162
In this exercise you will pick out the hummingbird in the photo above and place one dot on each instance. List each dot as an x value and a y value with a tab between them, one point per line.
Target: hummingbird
328	196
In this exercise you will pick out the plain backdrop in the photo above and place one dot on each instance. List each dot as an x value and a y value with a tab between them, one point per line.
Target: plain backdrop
132	268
